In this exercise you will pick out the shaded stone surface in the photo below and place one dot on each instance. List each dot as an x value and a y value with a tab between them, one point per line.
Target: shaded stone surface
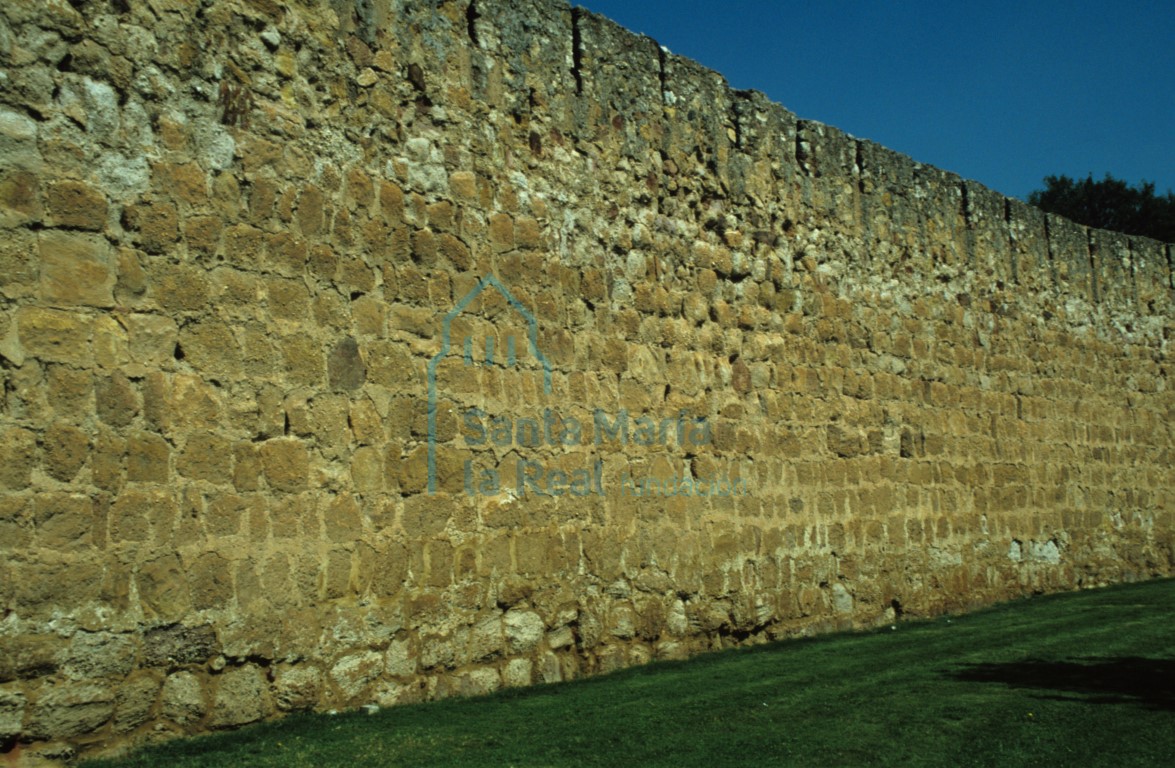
345	366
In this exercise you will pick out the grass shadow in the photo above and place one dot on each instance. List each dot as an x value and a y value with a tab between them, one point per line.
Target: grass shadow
1144	681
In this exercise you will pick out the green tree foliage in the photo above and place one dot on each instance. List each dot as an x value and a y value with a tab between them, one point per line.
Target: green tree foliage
1110	204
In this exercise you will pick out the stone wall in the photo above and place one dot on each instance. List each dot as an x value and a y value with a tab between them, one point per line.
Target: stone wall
370	352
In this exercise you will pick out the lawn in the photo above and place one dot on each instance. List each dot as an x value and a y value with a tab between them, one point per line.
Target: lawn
1079	679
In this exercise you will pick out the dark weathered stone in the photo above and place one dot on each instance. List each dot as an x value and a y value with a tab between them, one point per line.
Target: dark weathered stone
176	645
345	366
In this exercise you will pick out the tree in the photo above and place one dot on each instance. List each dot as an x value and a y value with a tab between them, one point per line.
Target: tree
1110	204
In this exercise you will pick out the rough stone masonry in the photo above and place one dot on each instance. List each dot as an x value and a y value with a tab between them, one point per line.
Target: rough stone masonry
370	352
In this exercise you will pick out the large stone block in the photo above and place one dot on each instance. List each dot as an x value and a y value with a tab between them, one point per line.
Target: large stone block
29	656
12	708
178	645
18	457
353	674
55	336
206	457
75	204
76	269
155	224
183	700
135	702
286	464
117	399
95	655
62	520
163	588
523	629
148	458
240	698
67	711
20	200
152	339
297	687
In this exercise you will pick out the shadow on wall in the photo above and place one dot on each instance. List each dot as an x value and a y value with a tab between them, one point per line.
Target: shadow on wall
1148	682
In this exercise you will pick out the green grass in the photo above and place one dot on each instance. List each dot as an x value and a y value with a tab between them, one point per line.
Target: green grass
1068	680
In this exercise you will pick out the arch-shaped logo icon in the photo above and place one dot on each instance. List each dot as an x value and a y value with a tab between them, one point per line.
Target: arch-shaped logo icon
532	334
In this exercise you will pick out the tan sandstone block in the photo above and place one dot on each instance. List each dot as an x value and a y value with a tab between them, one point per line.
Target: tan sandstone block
286	464
75	204
157	225
55	336
240	698
19	199
148	458
66	449
163	587
206	457
18	455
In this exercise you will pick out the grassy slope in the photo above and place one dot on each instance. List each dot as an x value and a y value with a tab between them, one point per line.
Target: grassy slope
1078	679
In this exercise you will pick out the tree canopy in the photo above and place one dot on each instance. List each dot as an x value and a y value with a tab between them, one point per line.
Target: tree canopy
1110	204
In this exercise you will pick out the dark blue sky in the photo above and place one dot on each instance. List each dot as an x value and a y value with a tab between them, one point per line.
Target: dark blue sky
1005	93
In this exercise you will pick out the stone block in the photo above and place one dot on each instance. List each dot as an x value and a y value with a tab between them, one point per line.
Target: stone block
178	645
1152	275
29	656
240	698
210	582
135	702
152	339
367	469
343	519
110	343
156	224
148	458
1113	273
117	400
19	270
186	182
211	347
297	687
345	366
107	462
62	520
12	708
286	464
353	674
302	360
183	699
75	204
178	287
68	711
93	655
523	629
399	660
132	278
163	588
518	672
202	233
18	457
16	530
478	682
20	199
285	254
55	336
206	456
1070	256
194	404
287	299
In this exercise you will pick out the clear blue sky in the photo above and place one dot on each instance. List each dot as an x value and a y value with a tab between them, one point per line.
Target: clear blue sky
1005	93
